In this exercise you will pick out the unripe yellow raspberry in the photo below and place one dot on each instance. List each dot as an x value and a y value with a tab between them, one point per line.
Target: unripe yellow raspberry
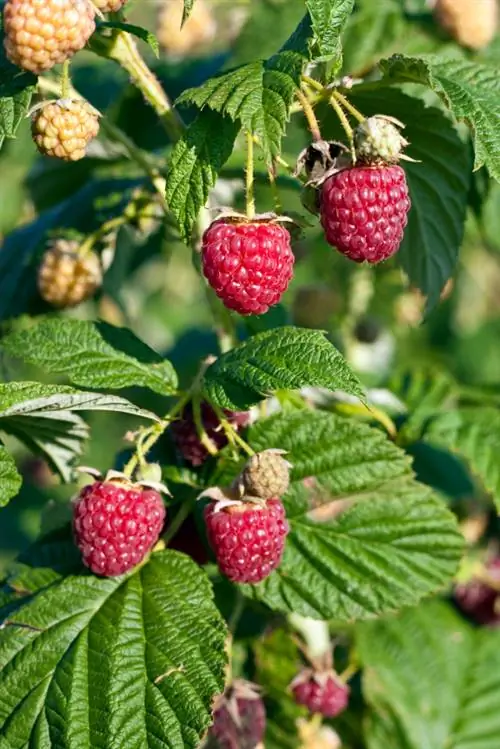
472	23
64	278
64	128
42	33
109	6
199	30
266	475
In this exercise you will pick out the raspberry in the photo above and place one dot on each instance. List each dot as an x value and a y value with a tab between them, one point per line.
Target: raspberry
480	601
64	278
115	525
247	539
472	23
186	437
109	6
64	128
321	692
249	265
266	475
42	33
364	211
239	718
178	40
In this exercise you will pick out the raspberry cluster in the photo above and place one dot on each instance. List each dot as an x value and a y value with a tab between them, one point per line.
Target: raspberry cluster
115	525
42	33
64	128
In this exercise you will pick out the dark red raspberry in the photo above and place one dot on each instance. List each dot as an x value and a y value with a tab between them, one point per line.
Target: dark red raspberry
364	211
186	437
480	601
247	539
321	692
249	265
115	525
239	718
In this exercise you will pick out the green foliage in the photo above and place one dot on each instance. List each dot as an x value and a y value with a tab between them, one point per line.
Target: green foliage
138	31
131	661
10	480
384	540
16	90
328	18
93	355
286	358
469	90
430	680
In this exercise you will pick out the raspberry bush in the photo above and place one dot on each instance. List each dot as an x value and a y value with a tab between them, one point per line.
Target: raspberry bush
249	484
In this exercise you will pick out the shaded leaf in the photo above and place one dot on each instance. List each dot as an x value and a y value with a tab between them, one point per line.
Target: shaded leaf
10	480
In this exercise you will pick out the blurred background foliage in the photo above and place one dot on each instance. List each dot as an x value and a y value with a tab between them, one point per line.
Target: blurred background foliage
151	284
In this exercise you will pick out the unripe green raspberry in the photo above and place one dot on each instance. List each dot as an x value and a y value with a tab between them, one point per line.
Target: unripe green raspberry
63	129
109	6
42	33
64	278
378	140
266	475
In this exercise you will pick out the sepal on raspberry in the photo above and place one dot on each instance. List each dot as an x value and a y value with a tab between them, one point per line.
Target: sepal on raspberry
248	262
239	718
116	523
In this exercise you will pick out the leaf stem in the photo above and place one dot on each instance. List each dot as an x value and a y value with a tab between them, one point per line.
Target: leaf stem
345	125
237	612
341	99
182	513
309	115
316	85
250	184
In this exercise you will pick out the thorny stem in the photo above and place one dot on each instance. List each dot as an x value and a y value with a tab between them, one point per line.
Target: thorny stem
309	115
313	84
232	435
65	80
200	429
345	124
250	196
110	225
274	189
347	105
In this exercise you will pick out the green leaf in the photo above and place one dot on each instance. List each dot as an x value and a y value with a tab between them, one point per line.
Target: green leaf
10	480
188	7
138	31
365	537
471	91
194	165
430	680
133	661
258	96
16	91
474	434
328	19
280	359
438	184
94	355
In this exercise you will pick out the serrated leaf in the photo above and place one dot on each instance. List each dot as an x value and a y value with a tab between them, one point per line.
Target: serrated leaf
194	165
471	91
365	537
258	96
430	681
438	184
280	359
138	31
16	91
132	661
328	19
188	7
473	434
10	480
95	355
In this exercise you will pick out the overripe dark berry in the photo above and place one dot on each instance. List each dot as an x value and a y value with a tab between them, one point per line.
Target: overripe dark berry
249	265
116	525
247	539
480	600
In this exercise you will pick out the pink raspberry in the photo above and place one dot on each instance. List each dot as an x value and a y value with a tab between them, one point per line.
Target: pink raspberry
480	601
239	718
249	265
321	692
186	437
247	539
364	211
115	525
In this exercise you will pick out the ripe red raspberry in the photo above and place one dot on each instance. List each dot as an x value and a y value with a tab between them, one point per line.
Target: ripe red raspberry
247	539
480	601
186	437
109	6
115	525
239	718
64	128
321	692
364	211
249	265
64	278
42	33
